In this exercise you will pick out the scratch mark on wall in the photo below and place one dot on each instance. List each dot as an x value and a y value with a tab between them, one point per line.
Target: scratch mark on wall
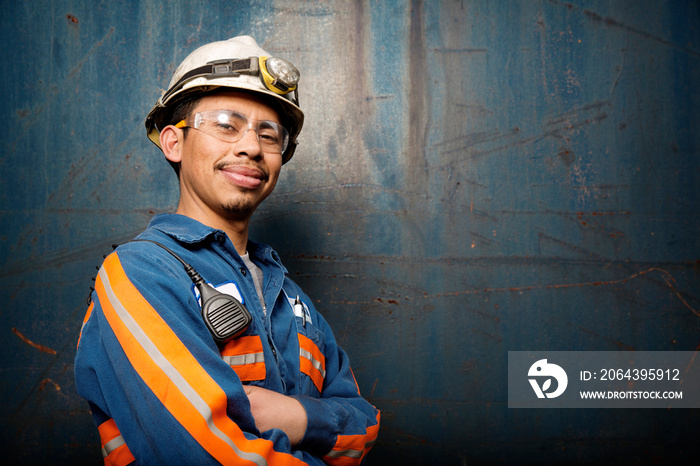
558	127
51	259
608	21
666	276
334	187
544	237
620	67
598	335
692	361
41	348
76	69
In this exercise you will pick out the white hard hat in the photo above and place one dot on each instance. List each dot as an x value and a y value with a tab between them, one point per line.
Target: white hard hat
237	63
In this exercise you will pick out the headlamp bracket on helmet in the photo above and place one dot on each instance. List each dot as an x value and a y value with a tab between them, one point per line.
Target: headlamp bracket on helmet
232	67
281	78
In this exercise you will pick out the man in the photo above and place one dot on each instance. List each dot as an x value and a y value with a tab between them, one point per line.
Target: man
196	347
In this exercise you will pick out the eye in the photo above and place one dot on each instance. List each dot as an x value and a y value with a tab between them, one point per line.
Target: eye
232	120
269	132
269	136
225	124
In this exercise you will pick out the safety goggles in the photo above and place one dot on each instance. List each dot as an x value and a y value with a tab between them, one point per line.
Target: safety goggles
231	126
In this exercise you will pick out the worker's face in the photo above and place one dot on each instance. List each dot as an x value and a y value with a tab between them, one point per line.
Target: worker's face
227	180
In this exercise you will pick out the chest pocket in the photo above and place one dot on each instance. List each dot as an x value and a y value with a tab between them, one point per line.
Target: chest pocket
312	362
246	357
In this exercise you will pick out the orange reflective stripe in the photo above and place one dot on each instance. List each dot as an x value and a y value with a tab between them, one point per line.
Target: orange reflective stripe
108	430
311	361
87	317
173	374
245	355
351	449
114	449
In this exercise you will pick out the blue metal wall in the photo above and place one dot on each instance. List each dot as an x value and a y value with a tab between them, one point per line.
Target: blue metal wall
474	177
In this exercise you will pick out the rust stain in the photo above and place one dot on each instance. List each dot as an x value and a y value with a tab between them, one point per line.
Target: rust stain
587	222
374	385
42	348
390	301
72	18
45	382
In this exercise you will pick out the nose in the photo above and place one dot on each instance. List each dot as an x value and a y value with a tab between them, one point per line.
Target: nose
249	144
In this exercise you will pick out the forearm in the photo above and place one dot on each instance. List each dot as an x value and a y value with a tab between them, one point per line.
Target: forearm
272	410
340	430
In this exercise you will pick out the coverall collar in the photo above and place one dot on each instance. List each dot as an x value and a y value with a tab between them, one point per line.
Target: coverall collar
190	231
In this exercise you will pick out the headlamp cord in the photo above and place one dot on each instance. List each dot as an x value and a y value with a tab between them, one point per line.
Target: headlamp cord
225	316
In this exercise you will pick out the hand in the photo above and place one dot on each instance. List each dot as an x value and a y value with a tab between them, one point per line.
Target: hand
273	410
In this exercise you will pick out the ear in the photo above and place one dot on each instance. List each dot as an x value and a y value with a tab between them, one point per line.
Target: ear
171	143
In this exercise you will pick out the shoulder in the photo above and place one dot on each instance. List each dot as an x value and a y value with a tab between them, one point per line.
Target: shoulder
141	277
167	239
153	255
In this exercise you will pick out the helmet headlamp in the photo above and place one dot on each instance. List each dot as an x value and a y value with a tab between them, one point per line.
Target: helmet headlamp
279	75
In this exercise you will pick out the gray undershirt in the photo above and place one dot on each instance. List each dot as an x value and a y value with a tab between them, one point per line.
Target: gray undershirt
257	275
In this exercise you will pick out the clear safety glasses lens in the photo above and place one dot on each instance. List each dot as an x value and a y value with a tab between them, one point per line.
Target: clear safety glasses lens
231	126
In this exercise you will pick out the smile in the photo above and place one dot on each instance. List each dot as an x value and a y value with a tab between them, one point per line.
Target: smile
244	176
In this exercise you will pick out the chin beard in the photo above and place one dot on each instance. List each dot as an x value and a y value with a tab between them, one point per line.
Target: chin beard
240	210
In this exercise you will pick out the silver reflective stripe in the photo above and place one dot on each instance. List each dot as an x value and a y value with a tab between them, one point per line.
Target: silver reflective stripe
112	445
244	359
171	371
350	453
345	453
314	362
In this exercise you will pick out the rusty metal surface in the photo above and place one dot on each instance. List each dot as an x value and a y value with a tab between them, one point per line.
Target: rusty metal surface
474	177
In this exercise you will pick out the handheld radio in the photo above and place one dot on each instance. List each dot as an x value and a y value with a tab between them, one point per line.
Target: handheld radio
225	316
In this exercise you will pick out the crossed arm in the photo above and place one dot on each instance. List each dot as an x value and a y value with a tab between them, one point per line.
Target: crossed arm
274	410
144	367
